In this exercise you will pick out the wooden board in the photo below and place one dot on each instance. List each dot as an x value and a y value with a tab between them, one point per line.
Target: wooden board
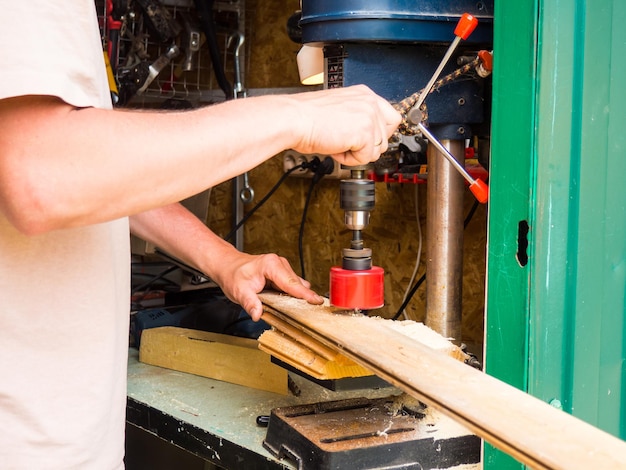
221	357
530	430
306	354
299	350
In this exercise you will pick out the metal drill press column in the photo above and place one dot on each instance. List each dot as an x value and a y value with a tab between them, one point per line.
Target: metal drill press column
444	242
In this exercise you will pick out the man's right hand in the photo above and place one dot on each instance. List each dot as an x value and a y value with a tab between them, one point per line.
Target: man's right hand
351	124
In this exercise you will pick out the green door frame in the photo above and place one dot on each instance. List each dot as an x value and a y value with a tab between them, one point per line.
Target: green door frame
512	147
555	326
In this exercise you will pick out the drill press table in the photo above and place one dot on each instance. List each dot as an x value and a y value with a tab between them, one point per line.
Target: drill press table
216	420
212	419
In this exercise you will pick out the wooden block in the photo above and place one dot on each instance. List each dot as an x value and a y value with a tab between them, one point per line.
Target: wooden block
221	357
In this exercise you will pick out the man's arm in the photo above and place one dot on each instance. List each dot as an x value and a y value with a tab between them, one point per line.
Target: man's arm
241	276
63	167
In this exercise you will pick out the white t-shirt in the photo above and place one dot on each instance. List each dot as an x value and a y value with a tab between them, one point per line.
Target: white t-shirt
64	295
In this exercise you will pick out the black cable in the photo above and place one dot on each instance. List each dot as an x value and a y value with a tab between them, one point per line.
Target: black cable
324	168
472	211
421	280
155	278
416	286
262	201
204	8
470	214
301	233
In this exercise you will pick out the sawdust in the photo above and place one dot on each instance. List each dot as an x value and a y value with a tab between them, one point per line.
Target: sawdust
417	331
405	403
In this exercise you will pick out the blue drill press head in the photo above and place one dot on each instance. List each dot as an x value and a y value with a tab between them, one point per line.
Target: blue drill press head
395	46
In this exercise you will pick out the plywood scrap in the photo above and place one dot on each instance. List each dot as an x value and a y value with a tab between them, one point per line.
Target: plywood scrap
221	357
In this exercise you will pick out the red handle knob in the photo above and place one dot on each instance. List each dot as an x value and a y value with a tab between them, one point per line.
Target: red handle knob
467	24
480	190
486	59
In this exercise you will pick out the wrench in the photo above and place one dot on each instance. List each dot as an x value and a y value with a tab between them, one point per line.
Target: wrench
247	193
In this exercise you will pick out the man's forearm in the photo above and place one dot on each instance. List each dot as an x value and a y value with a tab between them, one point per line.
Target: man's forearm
241	276
179	233
69	167
65	167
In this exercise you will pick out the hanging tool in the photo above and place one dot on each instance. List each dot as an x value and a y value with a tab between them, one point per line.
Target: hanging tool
159	20
191	41
246	194
238	38
242	191
155	68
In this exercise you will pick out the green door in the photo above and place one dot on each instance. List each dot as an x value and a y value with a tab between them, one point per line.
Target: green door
555	308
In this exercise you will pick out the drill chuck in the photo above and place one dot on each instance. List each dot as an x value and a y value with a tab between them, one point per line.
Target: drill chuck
356	198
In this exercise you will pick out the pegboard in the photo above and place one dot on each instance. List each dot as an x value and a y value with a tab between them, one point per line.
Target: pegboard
137	36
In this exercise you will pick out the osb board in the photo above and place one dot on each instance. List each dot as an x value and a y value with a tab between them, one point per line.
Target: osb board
272	61
392	233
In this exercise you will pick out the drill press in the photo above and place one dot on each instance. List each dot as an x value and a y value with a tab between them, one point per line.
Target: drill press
394	48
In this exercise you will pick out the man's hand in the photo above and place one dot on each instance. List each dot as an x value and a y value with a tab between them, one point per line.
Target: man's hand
350	124
240	275
243	276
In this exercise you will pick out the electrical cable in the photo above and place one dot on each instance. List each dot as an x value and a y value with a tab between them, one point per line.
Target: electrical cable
472	211
155	278
324	168
262	201
204	8
301	232
418	258
407	298
470	214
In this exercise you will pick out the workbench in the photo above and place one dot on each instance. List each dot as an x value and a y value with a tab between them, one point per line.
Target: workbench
212	419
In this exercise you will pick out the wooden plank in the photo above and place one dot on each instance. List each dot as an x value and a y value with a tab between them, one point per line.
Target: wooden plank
299	350
221	357
530	430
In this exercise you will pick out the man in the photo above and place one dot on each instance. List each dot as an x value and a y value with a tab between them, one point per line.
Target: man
75	175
